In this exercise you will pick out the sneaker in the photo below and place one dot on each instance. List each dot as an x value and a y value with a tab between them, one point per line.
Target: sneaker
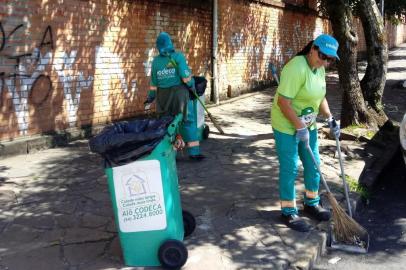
198	157
317	212
296	223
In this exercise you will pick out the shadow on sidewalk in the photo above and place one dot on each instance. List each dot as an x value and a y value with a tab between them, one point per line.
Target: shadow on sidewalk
58	200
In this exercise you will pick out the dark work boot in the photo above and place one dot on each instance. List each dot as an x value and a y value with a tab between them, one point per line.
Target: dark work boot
317	212
296	223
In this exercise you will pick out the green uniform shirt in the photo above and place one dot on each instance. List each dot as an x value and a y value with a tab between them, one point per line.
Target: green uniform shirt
164	74
306	89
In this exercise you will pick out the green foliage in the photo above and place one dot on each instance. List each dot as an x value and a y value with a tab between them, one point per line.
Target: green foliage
354	186
395	10
322	5
360	130
395	20
370	134
351	129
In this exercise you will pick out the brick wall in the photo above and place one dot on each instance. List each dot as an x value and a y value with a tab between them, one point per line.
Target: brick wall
396	34
256	34
252	36
72	63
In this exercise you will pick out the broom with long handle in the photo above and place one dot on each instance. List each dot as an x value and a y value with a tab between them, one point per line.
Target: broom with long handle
346	229
216	125
208	113
346	191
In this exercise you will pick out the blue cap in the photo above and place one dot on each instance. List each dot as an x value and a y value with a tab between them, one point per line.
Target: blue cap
164	44
327	45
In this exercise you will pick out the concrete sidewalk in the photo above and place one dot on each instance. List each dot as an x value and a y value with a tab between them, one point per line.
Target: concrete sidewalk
56	211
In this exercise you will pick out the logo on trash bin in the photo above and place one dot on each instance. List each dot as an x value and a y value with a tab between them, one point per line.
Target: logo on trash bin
136	185
139	196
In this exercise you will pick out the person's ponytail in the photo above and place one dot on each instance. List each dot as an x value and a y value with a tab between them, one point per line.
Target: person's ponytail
306	49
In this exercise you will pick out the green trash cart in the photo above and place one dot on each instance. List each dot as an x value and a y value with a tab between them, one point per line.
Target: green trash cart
146	199
195	120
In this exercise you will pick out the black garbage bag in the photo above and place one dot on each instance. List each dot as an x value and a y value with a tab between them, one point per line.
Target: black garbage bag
200	87
127	141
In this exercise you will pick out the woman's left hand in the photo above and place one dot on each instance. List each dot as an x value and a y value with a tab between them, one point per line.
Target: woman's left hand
334	127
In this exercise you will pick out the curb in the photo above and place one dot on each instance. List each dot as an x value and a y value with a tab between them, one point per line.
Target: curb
36	143
308	257
237	98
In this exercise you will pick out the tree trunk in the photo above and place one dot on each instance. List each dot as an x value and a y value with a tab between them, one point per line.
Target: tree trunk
353	110
373	82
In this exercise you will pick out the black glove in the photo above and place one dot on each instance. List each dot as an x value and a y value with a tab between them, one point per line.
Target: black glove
191	88
151	97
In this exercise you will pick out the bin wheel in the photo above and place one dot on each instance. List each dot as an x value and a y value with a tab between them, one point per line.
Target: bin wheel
189	223
172	254
206	132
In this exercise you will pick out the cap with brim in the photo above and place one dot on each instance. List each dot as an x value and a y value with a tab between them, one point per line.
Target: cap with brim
327	45
164	43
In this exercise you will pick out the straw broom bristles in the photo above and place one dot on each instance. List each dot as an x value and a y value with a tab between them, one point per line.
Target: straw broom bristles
346	229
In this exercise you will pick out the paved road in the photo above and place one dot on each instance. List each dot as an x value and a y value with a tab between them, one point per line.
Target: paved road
385	219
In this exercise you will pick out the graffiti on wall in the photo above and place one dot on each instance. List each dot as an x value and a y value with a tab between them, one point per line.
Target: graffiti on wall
258	57
257	53
24	75
63	65
148	63
300	34
24	72
109	65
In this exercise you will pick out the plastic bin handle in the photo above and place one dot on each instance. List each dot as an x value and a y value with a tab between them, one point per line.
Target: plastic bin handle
173	127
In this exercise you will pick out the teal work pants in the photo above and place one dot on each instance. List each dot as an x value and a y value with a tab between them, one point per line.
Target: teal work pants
289	149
